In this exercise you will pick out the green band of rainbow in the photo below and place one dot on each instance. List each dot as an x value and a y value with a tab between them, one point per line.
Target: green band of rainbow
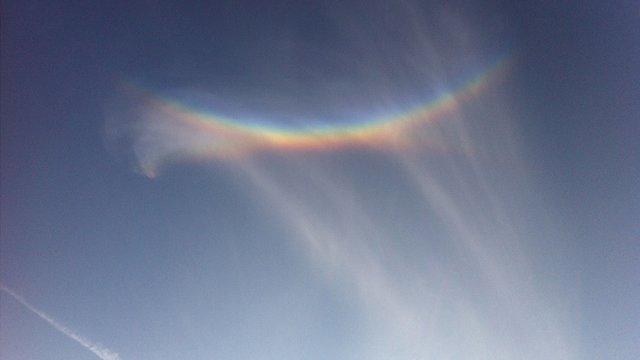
230	137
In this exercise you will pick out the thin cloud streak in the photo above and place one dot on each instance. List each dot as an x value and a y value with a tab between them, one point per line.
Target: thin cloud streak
100	351
342	249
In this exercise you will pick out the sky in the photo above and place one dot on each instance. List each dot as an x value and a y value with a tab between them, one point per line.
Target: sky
319	180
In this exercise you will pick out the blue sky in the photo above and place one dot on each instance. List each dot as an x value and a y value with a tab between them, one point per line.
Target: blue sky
511	232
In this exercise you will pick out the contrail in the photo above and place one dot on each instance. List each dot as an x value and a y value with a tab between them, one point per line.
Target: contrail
98	350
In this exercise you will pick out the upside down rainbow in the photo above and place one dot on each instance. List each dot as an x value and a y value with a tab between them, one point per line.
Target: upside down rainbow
224	137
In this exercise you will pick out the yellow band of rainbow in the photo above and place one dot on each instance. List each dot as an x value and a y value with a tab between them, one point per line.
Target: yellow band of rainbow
233	138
